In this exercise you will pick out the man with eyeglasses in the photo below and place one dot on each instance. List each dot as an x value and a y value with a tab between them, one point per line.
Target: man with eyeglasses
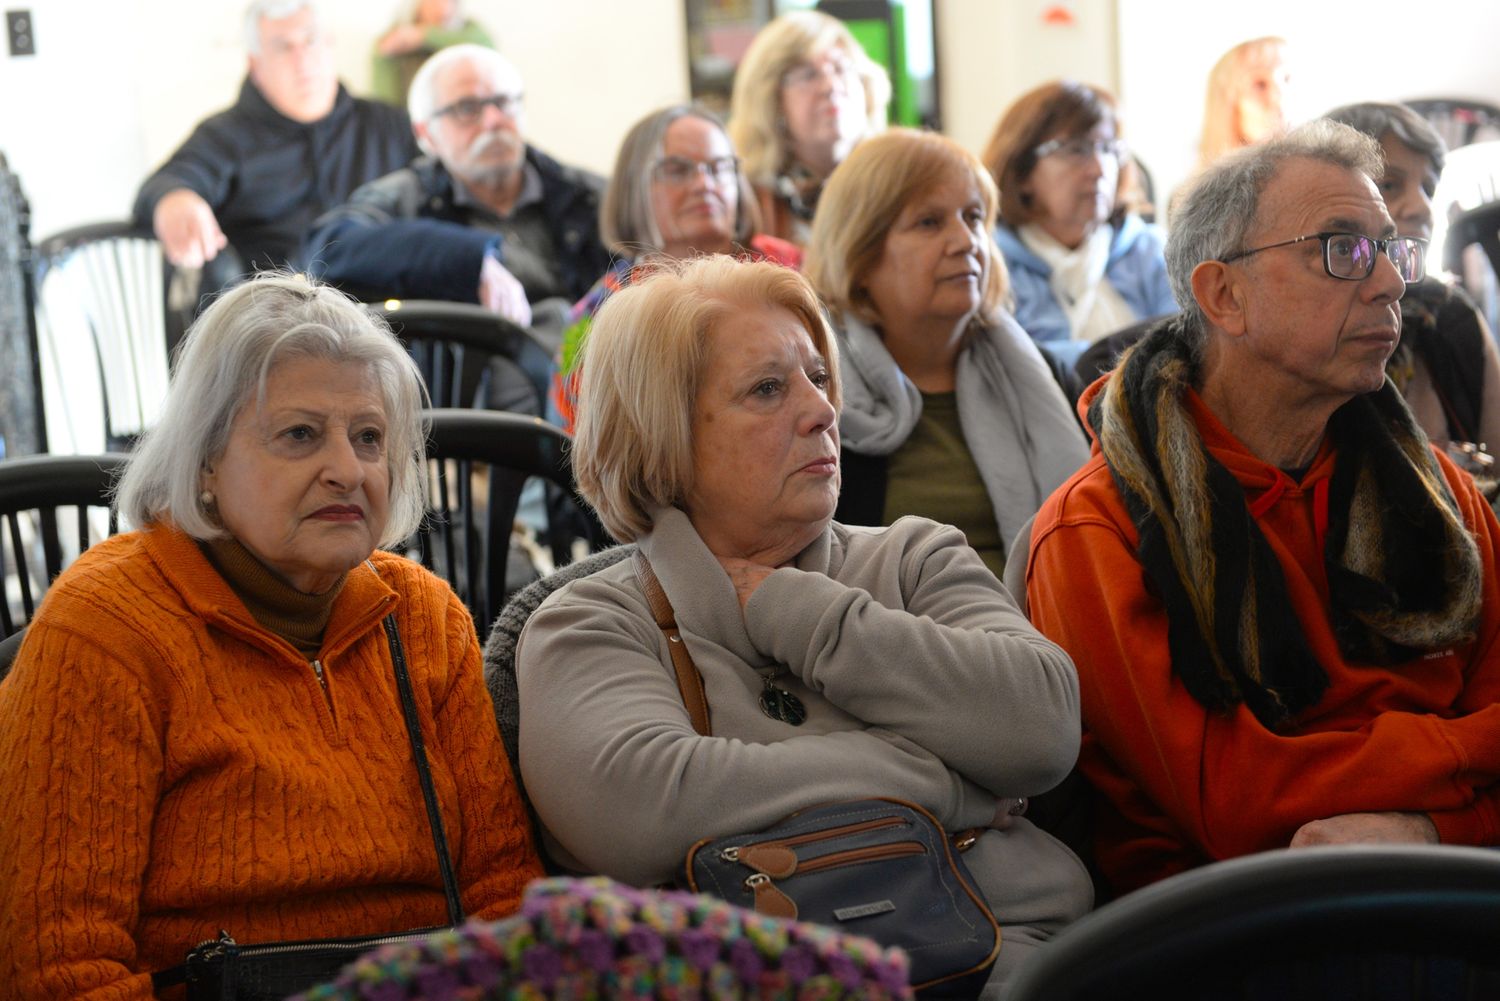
1281	600
296	143
481	217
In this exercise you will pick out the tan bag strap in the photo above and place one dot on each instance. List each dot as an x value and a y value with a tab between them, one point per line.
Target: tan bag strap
689	680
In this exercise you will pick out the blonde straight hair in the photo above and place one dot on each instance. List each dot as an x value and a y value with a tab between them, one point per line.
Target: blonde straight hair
864	196
756	126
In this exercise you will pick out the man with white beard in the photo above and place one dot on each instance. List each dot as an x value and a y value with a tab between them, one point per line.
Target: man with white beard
481	217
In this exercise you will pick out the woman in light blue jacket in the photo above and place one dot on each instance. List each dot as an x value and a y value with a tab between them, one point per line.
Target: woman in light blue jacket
1082	266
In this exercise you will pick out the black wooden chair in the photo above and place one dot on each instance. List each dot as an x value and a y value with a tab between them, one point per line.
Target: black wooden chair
1388	922
40	537
471	357
478	463
107	323
1480	225
9	647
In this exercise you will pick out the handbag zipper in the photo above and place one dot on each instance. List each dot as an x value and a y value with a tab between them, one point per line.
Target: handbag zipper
770	899
732	853
854	856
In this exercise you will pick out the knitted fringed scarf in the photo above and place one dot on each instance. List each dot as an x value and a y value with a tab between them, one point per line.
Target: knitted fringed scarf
1403	572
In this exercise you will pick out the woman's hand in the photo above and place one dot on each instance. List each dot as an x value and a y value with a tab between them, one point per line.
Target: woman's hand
401	39
1007	809
745	575
1366	829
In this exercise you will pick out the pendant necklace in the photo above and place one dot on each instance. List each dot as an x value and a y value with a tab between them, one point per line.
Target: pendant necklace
780	704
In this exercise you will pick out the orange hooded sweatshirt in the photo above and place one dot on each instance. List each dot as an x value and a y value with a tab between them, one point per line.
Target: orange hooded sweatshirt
1182	785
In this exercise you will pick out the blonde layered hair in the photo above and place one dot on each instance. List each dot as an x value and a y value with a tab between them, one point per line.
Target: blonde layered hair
644	358
1226	84
756	126
861	202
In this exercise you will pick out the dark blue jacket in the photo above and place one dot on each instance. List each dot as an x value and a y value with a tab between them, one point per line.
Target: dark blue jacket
404	236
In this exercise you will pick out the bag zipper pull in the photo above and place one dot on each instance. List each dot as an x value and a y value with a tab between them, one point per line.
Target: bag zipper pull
769	900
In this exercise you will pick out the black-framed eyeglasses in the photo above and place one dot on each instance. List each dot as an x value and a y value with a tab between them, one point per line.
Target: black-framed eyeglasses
466	110
1081	148
1351	257
679	170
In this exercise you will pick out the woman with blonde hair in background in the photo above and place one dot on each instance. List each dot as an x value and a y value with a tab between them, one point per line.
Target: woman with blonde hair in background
804	94
1246	100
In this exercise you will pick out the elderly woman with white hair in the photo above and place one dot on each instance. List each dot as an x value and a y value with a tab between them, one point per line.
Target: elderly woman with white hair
836	662
804	95
202	729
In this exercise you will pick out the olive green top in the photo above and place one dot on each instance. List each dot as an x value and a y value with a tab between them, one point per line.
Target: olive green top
933	475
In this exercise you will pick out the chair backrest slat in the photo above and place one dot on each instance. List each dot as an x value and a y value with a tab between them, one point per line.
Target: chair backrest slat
479	463
39	541
103	325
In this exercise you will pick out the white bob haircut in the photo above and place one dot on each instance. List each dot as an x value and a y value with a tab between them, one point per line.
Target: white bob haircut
223	365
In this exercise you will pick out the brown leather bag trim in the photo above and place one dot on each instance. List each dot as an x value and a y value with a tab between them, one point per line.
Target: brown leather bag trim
689	680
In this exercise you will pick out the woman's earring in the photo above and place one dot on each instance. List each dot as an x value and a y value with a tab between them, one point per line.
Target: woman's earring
206	498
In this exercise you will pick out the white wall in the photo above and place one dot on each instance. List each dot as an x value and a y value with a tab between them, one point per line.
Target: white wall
992	51
1388	50
116	84
123	87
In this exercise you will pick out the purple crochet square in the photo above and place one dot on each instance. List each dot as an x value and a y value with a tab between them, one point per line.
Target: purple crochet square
699	948
542	965
747	963
595	950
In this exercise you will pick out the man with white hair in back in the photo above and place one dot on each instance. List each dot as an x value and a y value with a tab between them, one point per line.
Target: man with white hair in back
294	144
483	217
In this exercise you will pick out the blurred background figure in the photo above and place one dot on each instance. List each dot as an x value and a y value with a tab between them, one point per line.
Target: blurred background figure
1446	365
804	94
483	216
1247	95
677	190
295	143
950	410
423	27
1082	264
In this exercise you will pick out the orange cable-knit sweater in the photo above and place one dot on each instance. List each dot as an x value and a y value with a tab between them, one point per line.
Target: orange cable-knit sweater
170	768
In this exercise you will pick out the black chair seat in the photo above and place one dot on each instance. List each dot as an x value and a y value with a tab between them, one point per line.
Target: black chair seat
1368	922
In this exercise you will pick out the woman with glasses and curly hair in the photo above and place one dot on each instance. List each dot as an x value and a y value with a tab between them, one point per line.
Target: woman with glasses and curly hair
1081	263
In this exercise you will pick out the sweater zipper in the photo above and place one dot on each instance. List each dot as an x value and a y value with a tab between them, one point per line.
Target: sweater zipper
317	666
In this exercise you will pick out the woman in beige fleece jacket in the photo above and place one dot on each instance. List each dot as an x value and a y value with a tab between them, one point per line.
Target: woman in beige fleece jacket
708	435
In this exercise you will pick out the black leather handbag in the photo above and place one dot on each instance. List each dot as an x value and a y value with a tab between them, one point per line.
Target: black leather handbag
881	868
222	969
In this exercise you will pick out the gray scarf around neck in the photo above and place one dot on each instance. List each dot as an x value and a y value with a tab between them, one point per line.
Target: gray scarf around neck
1015	419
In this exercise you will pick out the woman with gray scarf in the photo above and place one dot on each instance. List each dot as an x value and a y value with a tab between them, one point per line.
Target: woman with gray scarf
950	411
